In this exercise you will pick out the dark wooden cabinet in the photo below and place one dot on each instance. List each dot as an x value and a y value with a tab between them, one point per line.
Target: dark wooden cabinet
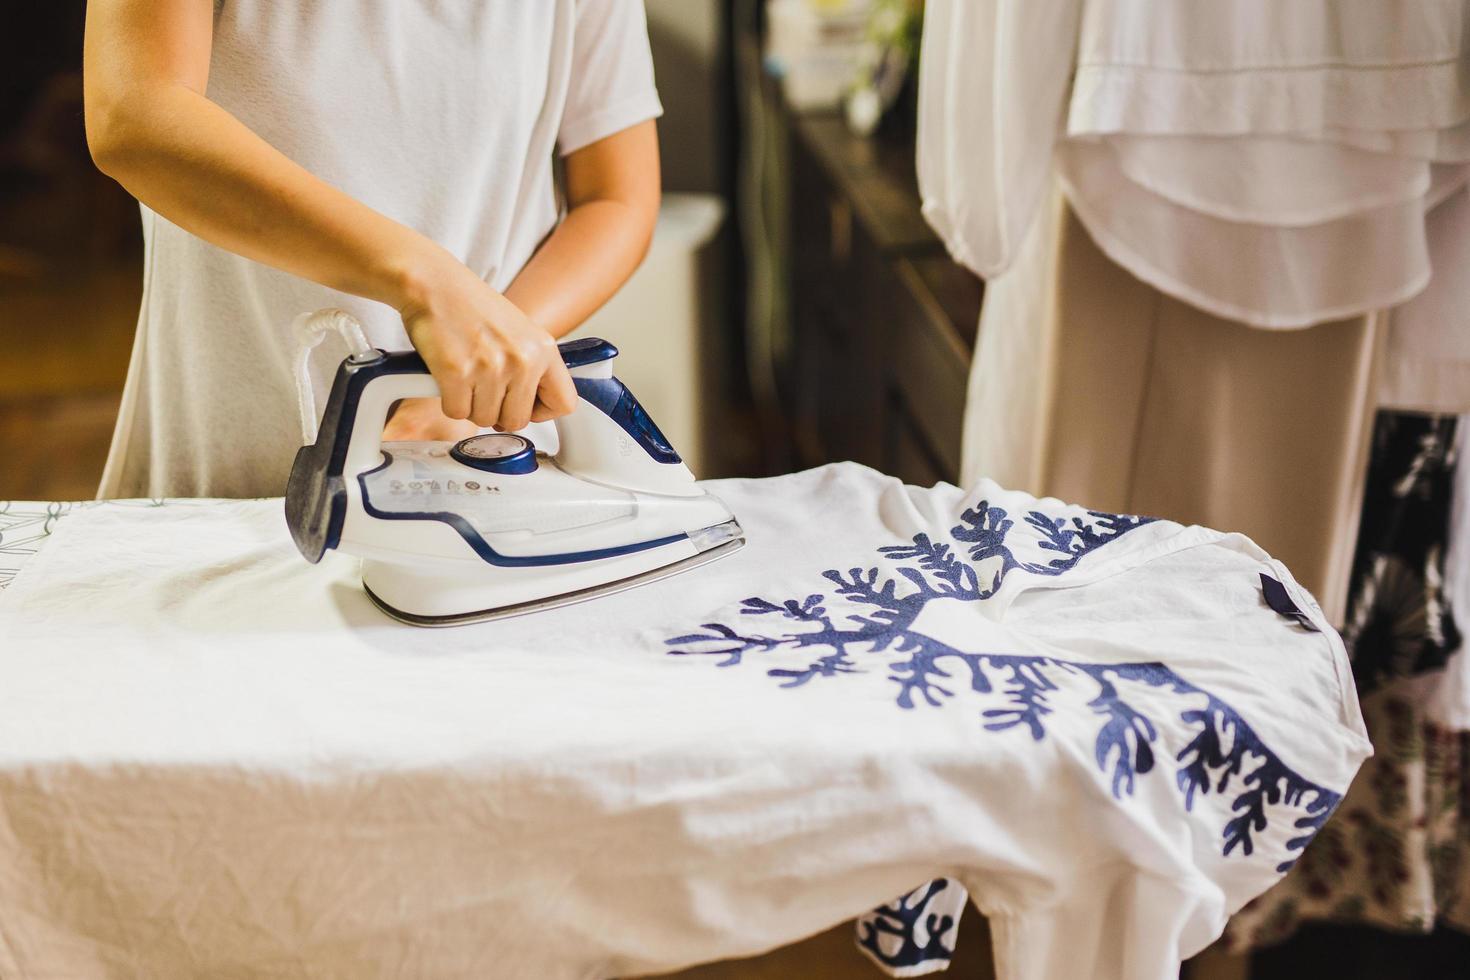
929	339
882	321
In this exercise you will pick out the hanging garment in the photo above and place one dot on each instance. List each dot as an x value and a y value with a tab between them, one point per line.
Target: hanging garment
1281	274
1399	623
1260	67
994	78
1247	211
1151	405
1427	362
445	117
1112	731
1270	181
1003	81
1449	702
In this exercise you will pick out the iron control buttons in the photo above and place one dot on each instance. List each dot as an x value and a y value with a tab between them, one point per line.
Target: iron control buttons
496	452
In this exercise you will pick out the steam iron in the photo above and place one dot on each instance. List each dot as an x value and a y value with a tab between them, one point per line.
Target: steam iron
491	526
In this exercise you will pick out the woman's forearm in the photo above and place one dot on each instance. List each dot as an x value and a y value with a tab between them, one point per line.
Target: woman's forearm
578	268
150	126
613	192
197	165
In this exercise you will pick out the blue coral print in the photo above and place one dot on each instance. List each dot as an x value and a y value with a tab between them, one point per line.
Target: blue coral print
919	928
867	613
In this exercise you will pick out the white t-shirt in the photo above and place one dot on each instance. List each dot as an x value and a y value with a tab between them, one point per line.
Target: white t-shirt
443	115
1113	732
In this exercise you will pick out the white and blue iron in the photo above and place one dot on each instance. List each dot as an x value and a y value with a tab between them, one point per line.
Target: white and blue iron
490	526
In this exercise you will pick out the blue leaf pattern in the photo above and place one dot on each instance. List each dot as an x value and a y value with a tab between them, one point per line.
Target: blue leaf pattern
900	921
930	673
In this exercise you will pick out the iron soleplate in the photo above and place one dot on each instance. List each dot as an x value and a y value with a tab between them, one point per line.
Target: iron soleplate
566	599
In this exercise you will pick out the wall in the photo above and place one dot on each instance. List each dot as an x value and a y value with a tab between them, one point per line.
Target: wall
689	59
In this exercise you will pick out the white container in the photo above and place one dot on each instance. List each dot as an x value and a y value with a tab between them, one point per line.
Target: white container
658	318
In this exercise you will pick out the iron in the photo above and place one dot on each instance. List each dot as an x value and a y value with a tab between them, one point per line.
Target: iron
493	526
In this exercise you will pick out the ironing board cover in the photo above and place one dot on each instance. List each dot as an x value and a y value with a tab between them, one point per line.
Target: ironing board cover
1111	731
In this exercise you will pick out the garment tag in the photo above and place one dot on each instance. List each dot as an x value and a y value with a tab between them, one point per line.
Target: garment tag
1280	600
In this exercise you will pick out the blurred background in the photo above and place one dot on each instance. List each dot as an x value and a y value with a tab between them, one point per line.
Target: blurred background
70	267
804	311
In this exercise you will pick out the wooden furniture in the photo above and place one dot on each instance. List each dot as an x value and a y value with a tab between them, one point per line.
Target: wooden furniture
882	322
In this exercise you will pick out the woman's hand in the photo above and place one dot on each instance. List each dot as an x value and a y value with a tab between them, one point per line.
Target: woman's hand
494	366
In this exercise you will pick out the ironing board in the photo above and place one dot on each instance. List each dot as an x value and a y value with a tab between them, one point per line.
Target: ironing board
891	797
26	527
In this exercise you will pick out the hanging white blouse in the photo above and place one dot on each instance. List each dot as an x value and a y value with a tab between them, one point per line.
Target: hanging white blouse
1346	107
1276	181
1251	67
994	77
1427	363
1376	94
1450	144
1266	275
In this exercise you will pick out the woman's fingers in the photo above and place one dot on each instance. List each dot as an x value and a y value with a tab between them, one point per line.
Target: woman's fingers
455	396
556	390
556	395
488	397
493	365
520	399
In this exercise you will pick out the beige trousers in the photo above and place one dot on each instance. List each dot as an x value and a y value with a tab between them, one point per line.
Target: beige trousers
1091	386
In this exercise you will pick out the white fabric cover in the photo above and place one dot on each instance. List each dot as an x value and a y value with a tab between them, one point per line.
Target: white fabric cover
216	758
443	116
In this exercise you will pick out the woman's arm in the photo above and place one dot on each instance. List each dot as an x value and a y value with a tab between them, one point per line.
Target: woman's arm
150	127
612	189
